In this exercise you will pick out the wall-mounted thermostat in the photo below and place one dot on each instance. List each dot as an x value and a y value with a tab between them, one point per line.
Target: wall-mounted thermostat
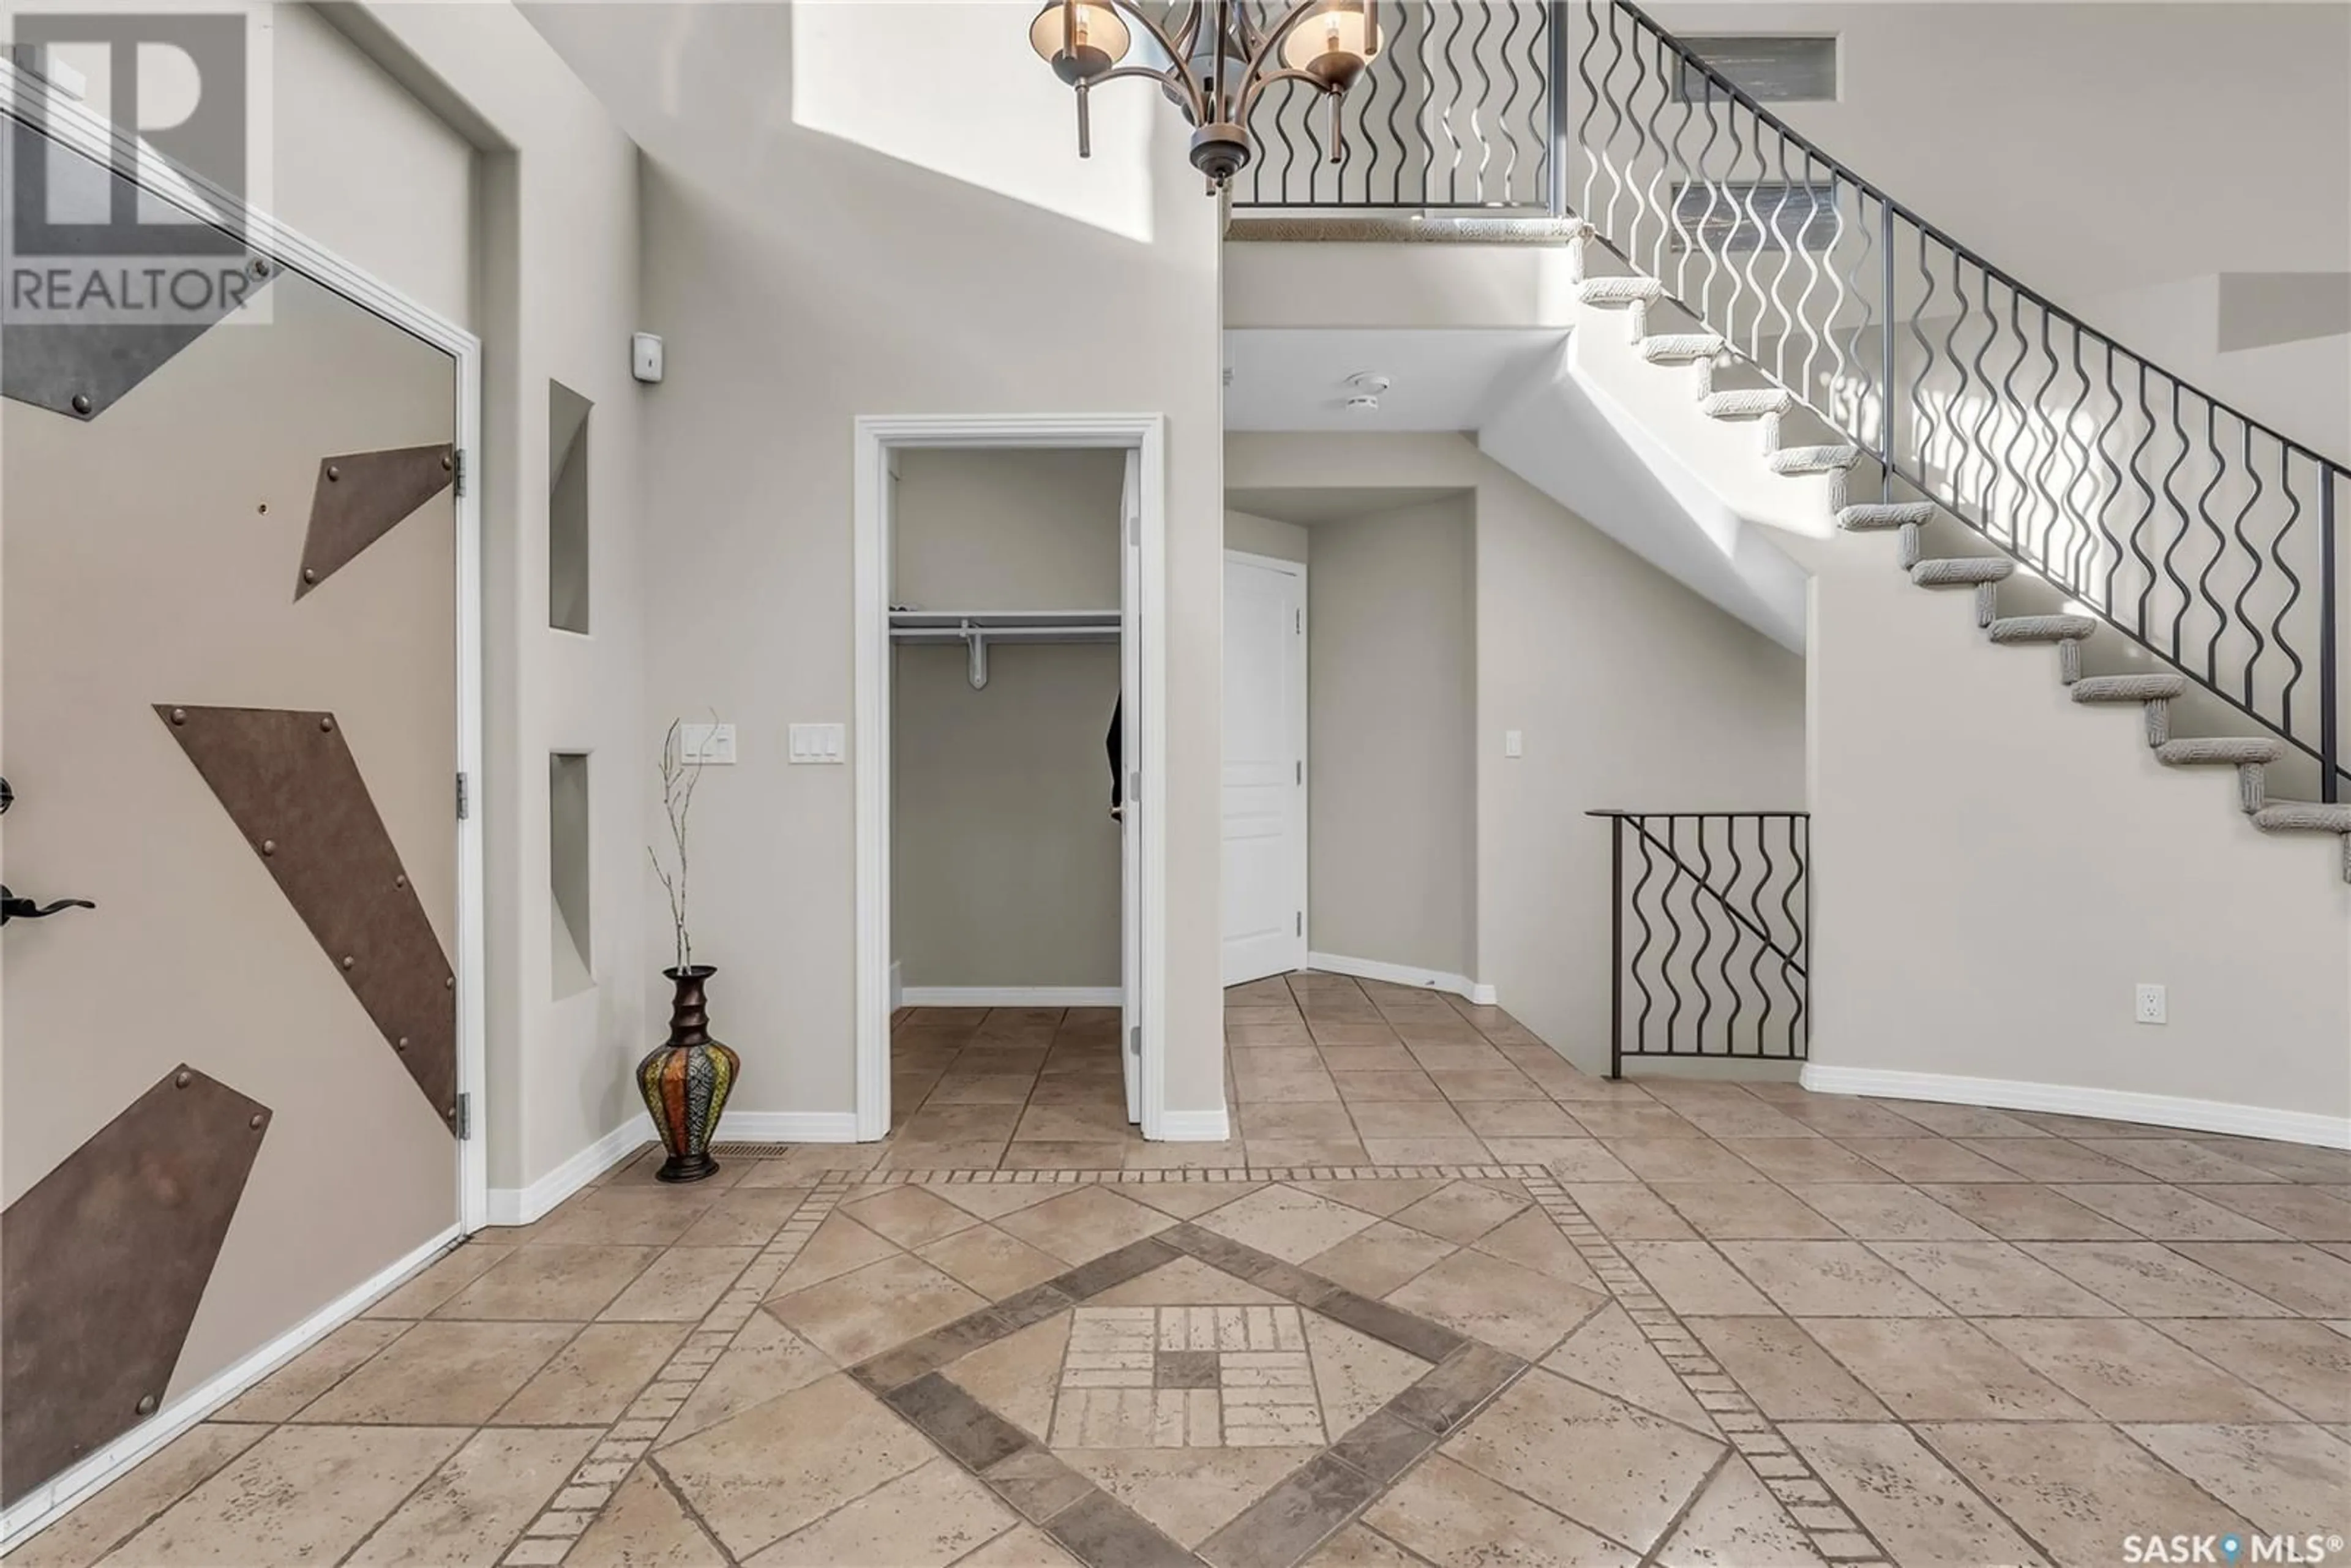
645	356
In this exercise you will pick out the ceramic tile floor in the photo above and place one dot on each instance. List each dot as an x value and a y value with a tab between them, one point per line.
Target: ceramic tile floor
1691	1324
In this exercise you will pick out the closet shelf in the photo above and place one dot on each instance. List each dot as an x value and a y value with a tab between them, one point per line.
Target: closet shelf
978	628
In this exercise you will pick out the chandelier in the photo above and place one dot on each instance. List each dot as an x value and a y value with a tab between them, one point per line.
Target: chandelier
1219	61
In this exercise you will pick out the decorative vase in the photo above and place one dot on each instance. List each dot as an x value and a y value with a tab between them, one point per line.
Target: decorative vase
685	1079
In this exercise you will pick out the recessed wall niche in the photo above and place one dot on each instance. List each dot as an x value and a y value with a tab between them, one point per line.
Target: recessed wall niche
569	949
567	509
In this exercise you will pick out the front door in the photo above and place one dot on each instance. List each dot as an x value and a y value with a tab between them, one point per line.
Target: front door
228	666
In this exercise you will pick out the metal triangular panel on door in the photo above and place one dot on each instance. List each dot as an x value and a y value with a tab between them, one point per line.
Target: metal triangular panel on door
290	784
86	324
103	1263
361	497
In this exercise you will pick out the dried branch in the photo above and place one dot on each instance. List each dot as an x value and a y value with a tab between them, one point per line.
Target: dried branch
680	776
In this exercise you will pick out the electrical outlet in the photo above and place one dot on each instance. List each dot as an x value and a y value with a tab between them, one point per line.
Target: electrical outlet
712	744
2149	1006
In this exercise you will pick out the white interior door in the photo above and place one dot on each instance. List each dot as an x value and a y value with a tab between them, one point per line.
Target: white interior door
1130	684
1264	767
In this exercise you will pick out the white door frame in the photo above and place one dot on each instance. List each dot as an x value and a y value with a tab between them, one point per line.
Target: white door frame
70	123
869	576
1297	569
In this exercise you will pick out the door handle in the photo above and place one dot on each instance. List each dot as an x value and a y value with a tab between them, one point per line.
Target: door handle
15	908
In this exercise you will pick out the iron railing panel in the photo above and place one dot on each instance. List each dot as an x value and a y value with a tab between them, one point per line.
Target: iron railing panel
1709	930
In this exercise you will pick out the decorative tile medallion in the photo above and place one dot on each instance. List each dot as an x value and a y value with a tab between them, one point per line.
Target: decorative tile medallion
1187	1377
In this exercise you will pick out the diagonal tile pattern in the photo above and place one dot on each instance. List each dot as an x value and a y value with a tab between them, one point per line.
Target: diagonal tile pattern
1444	1300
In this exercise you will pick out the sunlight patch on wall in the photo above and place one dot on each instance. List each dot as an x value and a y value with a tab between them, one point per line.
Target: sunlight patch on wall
954	87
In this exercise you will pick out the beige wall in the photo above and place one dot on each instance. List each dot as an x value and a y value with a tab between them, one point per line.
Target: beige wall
1392	802
362	168
557	211
1629	691
1005	861
1007	530
1944	946
1253	535
808	273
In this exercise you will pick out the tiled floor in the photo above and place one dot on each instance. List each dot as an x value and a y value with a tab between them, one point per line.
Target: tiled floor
1675	1324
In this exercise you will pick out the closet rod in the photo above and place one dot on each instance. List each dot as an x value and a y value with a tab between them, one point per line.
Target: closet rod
979	629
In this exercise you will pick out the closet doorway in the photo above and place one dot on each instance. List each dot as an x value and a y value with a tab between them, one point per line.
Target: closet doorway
1010	664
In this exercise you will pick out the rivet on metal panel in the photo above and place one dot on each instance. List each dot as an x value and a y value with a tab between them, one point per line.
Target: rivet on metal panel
269	846
181	1079
348	961
449	984
309	574
327	722
401	1044
260	1117
448	462
147	1405
258	267
333	473
400	881
81	404
179	715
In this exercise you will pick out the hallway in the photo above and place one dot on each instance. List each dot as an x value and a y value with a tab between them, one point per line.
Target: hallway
1592	1324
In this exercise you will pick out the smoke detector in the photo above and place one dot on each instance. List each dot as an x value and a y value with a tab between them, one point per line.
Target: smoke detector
1363	390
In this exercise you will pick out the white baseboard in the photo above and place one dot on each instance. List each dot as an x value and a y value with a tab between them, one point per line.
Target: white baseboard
2112	1104
1010	995
521	1205
45	1502
788	1127
1194	1126
1461	985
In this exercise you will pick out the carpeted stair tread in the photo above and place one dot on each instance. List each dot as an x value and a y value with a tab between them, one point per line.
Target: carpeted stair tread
1660	347
2040	629
1747	403
2128	688
1813	459
1961	571
2218	750
1618	290
1875	516
2303	817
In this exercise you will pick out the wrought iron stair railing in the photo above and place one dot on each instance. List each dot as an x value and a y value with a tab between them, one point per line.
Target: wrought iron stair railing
2203	535
2206	536
1709	916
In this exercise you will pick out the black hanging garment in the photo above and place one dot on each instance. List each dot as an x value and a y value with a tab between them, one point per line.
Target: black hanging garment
1117	756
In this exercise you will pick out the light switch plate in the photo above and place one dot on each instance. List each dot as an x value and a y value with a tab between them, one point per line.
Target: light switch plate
1514	743
817	743
712	744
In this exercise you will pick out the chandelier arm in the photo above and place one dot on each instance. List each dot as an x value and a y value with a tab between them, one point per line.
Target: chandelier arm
1176	74
1254	87
1299	12
1163	77
1186	34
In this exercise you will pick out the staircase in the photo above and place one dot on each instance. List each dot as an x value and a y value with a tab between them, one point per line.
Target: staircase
2175	552
1922	527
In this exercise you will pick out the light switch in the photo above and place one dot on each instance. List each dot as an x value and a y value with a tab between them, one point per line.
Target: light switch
712	744
817	743
1513	743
